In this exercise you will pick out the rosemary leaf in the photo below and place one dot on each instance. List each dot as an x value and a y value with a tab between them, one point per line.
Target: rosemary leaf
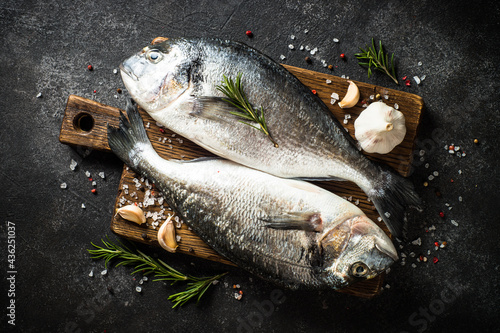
378	59
196	286
236	97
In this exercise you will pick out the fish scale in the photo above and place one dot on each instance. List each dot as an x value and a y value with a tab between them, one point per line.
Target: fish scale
231	207
178	88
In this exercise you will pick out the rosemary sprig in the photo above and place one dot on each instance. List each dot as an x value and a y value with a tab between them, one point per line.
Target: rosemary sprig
236	97
196	286
378	59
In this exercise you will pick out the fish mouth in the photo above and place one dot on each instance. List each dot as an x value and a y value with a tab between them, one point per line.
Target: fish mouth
125	69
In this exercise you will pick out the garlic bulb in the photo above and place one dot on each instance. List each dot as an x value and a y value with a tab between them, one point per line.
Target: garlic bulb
380	128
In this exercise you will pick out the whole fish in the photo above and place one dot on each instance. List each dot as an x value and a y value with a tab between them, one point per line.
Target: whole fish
287	231
175	82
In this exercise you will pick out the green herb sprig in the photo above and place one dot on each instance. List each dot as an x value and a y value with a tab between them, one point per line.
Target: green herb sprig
196	287
236	97
378	59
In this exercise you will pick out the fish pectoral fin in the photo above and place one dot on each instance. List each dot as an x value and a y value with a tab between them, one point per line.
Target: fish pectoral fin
212	107
321	179
295	221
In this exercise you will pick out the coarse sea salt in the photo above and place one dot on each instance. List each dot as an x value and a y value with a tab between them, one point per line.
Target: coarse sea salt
87	174
64	185
336	40
328	81
102	175
291	47
417	79
72	165
282	57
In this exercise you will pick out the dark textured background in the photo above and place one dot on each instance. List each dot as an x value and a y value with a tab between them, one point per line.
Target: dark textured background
46	47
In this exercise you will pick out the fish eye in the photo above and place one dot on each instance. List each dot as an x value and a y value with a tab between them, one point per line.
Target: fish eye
154	56
359	269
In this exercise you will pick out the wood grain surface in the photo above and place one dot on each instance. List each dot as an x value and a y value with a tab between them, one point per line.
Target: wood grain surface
85	122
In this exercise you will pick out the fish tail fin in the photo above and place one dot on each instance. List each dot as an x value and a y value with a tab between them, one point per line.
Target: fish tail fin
129	141
392	195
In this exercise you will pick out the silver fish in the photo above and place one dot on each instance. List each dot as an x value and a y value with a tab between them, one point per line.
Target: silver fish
288	231
175	82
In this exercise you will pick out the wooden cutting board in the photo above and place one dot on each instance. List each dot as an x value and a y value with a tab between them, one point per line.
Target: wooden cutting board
85	122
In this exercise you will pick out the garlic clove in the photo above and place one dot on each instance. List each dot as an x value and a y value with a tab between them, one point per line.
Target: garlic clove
166	236
380	128
351	98
132	213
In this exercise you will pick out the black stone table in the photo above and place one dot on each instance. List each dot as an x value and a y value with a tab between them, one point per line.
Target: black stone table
46	47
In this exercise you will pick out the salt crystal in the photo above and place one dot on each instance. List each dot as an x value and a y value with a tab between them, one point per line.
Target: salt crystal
460	198
346	121
386	96
291	47
457	148
387	286
412	254
335	40
417	241
348	116
178	238
292	37
306	31
215	282
94	183
396	106
138	289
238	296
402	255
301	47
144	278
435	173
463	154
356	202
431	177
387	214
64	185
115	96
451	151
388	270
334	96
87	174
417	79
346	129
379	219
433	227
73	165
403	263
372	97
343	76
115	71
328	81
104	272
422	78
91	274
332	101
427	165
39	95
422	152
454	223
459	172
141	281
350	198
125	186
282	57
83	206
313	51
414	265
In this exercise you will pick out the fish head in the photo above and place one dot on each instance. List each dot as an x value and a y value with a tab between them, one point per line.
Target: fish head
354	250
157	75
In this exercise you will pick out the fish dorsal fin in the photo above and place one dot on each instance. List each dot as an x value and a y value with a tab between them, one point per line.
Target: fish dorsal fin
306	221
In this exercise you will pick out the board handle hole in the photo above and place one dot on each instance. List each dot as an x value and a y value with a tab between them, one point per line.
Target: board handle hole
83	122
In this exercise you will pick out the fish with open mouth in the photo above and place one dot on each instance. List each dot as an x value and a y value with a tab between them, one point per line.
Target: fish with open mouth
287	231
176	80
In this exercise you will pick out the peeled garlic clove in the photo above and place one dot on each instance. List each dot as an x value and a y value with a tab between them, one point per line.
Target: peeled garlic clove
351	98
166	236
380	128
132	213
